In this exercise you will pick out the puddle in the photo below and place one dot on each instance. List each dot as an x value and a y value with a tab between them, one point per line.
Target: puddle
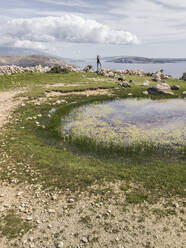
130	121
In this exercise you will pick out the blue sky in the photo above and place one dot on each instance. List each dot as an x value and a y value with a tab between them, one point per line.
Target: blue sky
79	28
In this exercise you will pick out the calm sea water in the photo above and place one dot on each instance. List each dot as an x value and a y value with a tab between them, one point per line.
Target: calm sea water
176	70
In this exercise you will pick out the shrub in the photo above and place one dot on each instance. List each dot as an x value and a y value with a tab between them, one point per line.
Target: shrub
58	69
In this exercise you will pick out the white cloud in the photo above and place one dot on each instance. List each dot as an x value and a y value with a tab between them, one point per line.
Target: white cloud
42	32
154	20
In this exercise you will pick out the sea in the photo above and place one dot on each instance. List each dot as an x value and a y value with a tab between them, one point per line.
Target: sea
176	70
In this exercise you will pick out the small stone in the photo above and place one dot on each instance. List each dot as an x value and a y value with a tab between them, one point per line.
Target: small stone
70	200
53	197
176	205
30	239
19	193
51	211
2	195
29	218
60	244
49	226
145	92
84	240
2	209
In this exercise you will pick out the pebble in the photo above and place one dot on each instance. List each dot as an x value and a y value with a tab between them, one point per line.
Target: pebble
19	193
29	218
49	226
51	211
53	197
60	244
176	205
70	200
84	240
2	209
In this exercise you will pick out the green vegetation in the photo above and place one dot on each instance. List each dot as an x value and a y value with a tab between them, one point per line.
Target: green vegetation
58	69
12	226
32	140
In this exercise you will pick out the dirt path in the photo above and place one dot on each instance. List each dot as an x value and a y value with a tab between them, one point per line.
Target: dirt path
7	104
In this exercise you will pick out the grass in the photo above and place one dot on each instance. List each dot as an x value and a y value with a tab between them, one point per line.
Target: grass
12	225
47	159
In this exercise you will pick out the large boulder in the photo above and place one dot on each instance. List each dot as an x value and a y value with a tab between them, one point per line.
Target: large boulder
157	77
175	87
158	89
125	85
184	76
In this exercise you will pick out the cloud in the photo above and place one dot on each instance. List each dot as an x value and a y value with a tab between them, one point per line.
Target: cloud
43	31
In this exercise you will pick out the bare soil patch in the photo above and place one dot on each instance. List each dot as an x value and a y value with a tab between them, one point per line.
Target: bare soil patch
7	104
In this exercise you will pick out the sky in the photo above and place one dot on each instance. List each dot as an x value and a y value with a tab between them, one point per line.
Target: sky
84	28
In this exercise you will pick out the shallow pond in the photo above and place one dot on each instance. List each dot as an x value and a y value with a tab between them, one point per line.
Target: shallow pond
130	121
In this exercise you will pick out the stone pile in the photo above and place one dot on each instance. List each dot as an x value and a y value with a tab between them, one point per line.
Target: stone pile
13	69
114	73
159	76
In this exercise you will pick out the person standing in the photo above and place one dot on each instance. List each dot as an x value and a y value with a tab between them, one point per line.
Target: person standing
98	63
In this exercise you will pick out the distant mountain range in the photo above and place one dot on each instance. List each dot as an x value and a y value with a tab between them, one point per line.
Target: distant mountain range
31	60
142	60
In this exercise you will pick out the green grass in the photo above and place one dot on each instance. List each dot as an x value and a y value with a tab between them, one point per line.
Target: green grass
12	225
59	164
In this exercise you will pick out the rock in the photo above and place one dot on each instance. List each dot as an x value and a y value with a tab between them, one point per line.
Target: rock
53	197
184	76
146	83
145	92
129	94
60	244
184	93
70	200
175	87
88	68
157	77
131	81
51	211
175	205
111	74
162	88
2	209
125	85
84	240
120	79
29	218
49	226
19	193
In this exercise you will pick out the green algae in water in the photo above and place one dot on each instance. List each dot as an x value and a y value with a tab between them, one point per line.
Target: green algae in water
129	122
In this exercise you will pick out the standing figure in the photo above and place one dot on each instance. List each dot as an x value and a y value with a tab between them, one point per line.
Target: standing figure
98	63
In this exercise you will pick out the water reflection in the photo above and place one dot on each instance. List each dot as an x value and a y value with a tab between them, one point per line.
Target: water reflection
130	121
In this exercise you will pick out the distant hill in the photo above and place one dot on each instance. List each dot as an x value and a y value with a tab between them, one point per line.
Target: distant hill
31	60
143	60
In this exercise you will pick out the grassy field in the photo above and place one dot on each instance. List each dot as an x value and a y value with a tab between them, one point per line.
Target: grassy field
36	154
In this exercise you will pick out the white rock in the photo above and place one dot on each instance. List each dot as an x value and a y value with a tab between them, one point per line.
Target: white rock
60	244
